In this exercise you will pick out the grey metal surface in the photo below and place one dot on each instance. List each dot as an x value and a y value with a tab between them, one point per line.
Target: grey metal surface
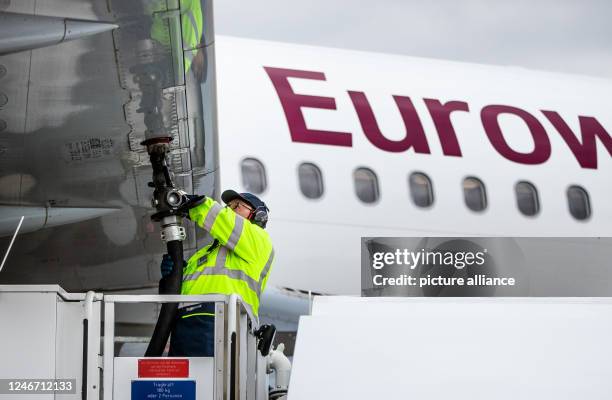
76	29
282	308
75	115
20	32
36	218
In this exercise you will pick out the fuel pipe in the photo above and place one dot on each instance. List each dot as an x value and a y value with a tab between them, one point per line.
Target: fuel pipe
167	200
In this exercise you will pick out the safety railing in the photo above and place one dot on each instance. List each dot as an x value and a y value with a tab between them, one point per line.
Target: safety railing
239	372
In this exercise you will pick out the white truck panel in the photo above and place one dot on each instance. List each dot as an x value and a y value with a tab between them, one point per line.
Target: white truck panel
478	348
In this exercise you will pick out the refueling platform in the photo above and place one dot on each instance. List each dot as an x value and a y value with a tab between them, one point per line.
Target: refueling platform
61	345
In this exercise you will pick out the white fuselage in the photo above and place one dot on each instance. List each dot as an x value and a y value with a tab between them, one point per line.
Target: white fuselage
506	129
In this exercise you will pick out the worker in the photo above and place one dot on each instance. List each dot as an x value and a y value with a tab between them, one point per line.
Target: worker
238	261
192	34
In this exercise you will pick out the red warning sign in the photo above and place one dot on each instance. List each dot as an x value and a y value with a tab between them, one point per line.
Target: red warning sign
163	368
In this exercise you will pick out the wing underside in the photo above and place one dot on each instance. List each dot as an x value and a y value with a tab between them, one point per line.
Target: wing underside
74	107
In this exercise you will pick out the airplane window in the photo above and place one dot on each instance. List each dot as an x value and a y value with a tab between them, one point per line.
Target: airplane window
421	189
578	201
527	198
311	180
474	194
253	175
366	185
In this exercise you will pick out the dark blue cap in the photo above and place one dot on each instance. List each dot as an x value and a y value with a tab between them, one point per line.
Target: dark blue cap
248	198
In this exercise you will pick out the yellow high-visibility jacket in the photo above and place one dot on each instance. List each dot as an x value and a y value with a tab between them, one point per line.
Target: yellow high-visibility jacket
192	25
237	262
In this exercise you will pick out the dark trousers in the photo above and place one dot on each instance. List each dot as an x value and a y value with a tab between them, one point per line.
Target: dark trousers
194	332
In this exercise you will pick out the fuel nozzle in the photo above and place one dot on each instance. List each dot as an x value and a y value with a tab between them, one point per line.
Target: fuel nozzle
179	202
167	198
175	198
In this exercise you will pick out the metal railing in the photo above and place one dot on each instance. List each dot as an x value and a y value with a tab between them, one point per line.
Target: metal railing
236	359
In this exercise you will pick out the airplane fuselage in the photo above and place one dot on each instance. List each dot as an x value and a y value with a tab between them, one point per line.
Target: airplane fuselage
391	116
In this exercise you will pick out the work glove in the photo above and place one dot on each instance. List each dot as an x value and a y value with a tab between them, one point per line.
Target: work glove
166	265
193	200
166	270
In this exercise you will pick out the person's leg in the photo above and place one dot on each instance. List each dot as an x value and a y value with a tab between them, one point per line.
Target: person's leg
194	332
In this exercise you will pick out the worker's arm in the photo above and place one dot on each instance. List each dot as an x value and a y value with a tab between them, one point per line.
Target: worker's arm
230	229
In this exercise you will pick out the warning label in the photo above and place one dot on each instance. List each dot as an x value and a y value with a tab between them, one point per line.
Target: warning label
161	390
91	149
163	368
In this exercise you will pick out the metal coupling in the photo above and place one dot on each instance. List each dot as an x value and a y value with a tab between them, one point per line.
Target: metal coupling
172	229
176	198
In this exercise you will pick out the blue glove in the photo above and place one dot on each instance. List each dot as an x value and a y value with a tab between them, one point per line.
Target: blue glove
166	265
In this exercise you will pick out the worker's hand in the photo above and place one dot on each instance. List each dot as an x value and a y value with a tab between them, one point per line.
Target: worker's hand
193	200
166	265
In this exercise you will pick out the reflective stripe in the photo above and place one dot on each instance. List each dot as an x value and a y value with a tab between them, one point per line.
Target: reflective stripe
236	232
265	271
195	28
238	274
212	216
221	256
230	273
220	269
195	275
199	313
216	270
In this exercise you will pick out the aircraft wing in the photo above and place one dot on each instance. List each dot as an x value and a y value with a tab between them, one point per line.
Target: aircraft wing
81	86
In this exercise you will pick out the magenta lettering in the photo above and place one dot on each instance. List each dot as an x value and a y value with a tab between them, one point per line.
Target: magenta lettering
590	128
583	145
541	150
440	114
415	134
292	104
